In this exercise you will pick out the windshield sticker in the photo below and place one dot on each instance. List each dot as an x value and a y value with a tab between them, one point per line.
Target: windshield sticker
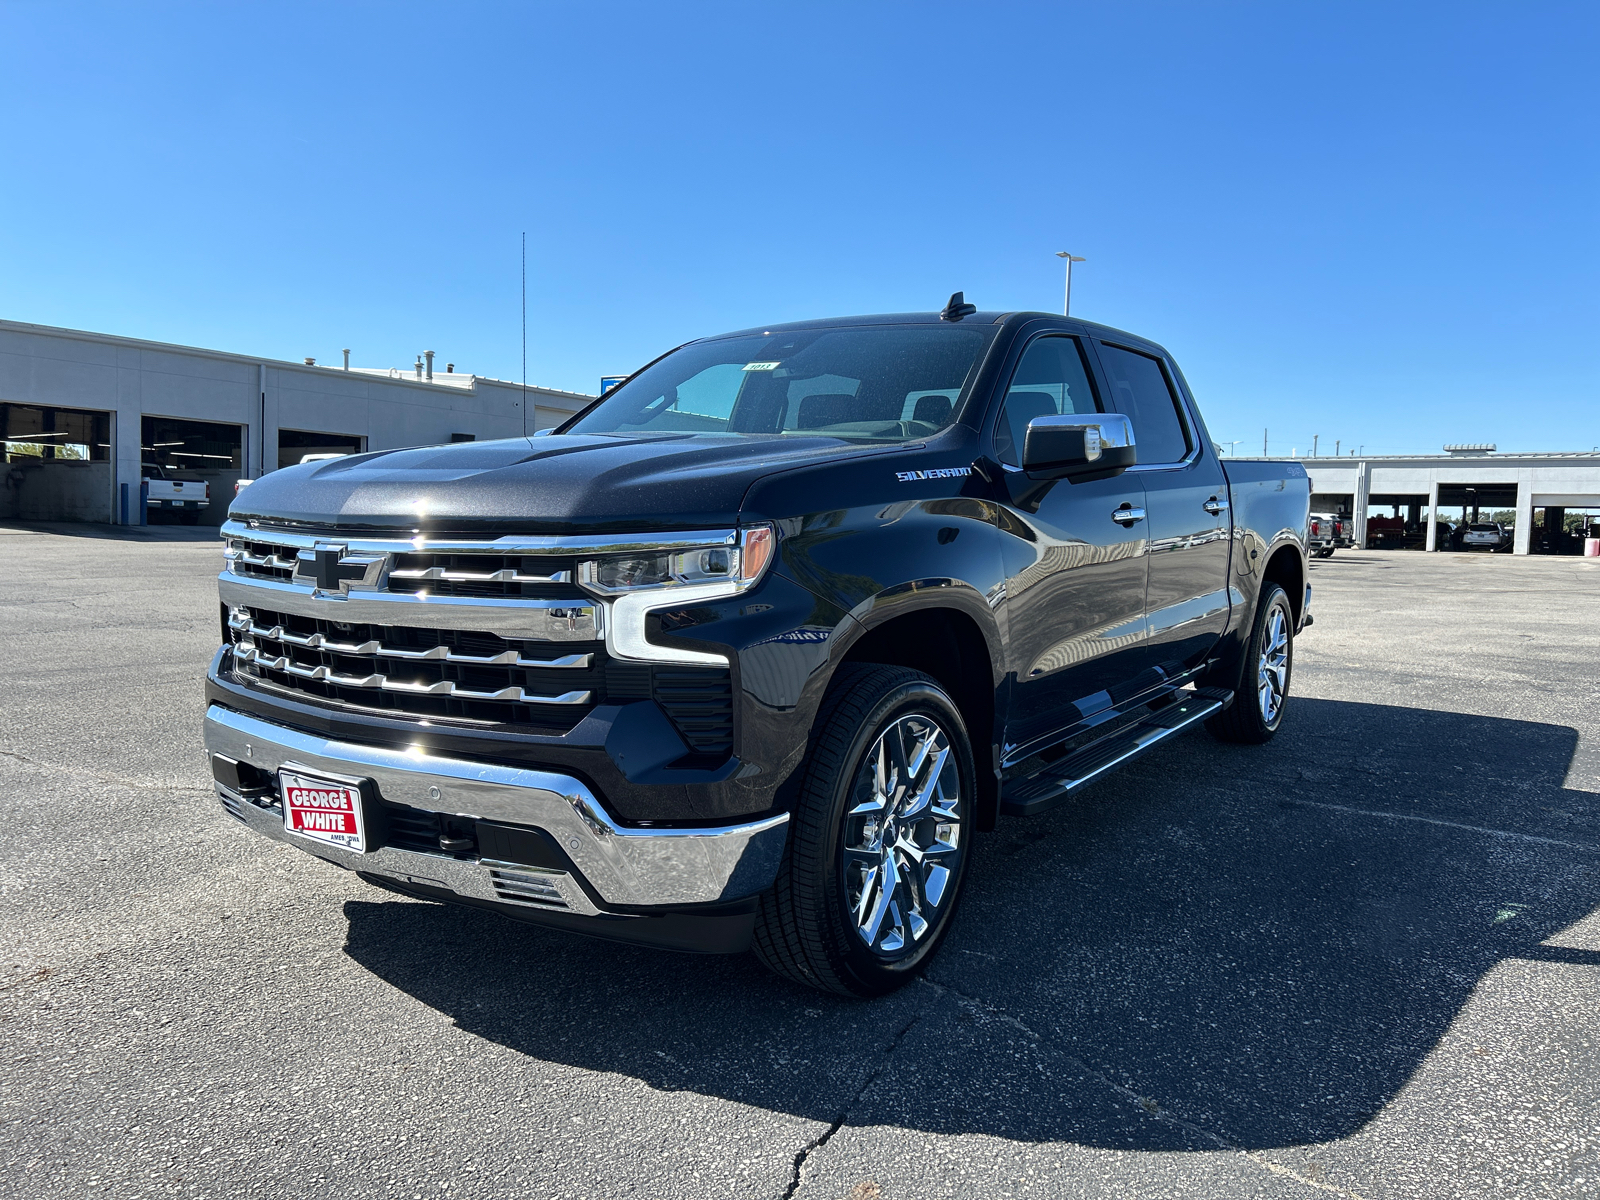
939	473
761	366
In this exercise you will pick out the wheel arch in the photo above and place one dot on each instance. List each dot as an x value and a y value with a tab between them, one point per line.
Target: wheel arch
1286	567
948	644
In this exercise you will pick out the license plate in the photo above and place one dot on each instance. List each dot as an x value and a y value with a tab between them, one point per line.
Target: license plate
323	810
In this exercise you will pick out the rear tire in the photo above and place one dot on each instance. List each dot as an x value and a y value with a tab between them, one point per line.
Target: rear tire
887	797
1261	693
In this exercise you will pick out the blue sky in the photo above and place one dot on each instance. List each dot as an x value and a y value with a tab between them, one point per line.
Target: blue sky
1372	223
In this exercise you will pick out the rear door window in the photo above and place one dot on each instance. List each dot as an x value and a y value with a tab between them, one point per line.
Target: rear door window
1141	391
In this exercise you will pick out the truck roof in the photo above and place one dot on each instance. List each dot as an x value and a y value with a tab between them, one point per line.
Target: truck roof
1018	316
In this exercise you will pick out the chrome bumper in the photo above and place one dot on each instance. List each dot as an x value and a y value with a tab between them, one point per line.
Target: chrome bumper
623	865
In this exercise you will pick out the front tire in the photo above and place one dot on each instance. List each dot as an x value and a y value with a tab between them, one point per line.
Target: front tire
1261	694
878	837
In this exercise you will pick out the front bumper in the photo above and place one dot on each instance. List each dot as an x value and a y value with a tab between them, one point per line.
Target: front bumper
615	870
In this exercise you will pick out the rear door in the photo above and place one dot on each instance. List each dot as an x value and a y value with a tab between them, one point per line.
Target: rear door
1186	495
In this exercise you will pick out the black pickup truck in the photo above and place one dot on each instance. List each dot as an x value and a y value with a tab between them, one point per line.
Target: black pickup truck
751	650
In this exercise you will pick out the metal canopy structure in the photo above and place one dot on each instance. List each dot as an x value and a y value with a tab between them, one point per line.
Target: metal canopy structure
1465	479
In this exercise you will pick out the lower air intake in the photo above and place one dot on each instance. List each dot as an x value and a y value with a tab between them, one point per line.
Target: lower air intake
700	703
234	805
526	885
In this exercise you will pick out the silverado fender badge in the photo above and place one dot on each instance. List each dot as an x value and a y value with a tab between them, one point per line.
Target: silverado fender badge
937	473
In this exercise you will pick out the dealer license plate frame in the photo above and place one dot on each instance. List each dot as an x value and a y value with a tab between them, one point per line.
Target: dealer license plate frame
295	782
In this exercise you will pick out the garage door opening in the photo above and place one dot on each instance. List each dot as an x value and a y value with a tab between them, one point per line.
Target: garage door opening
1488	511
1397	522
57	464
208	452
1564	528
295	444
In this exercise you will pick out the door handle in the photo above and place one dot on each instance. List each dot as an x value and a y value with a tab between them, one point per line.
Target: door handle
1128	515
1215	507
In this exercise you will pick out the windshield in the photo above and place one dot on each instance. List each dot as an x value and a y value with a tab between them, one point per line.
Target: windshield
1481	528
866	383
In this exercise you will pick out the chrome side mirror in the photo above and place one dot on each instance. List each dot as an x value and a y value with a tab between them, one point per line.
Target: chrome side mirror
1079	444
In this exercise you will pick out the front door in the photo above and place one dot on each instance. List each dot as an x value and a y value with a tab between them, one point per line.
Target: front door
1186	493
1074	560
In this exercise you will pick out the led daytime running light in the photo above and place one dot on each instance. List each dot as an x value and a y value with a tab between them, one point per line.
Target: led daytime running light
733	568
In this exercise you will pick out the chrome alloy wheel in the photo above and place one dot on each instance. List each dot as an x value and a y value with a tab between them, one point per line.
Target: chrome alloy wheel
1272	680
902	837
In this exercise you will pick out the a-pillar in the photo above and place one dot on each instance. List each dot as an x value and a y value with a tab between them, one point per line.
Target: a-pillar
1362	499
1522	536
1433	516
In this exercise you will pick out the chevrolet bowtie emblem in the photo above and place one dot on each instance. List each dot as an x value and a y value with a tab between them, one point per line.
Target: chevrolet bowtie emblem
331	569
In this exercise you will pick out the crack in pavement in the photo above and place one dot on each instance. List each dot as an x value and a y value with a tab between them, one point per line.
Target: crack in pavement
1147	1104
800	1158
1394	816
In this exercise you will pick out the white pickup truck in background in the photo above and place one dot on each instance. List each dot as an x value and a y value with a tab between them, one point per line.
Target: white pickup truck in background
168	492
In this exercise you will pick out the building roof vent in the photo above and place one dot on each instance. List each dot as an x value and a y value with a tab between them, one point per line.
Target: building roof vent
311	362
1470	448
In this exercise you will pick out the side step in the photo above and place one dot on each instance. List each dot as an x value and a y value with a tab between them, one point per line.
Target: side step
1049	787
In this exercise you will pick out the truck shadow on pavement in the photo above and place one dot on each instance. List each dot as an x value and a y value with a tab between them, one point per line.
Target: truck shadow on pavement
1255	947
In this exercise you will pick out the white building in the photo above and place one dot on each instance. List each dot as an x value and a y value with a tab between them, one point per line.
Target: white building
80	412
1538	488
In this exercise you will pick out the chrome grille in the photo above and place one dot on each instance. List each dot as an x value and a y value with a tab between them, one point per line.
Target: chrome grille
421	672
443	653
418	572
490	631
488	575
259	560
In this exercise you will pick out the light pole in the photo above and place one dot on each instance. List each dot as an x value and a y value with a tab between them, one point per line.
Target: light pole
1066	301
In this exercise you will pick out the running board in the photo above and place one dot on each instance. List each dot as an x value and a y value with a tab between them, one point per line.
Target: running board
1059	780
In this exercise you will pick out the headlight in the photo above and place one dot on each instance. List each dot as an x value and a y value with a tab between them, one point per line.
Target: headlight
734	567
636	582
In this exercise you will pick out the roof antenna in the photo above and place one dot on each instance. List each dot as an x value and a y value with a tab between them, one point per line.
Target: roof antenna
957	308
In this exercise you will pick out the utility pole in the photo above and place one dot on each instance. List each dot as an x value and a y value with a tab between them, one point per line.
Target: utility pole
1314	438
524	333
1066	300
1336	447
1263	443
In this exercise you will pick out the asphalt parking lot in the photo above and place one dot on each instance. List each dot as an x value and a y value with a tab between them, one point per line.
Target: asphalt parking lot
1362	961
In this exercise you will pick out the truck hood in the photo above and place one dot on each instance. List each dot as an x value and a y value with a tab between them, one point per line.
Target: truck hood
558	484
